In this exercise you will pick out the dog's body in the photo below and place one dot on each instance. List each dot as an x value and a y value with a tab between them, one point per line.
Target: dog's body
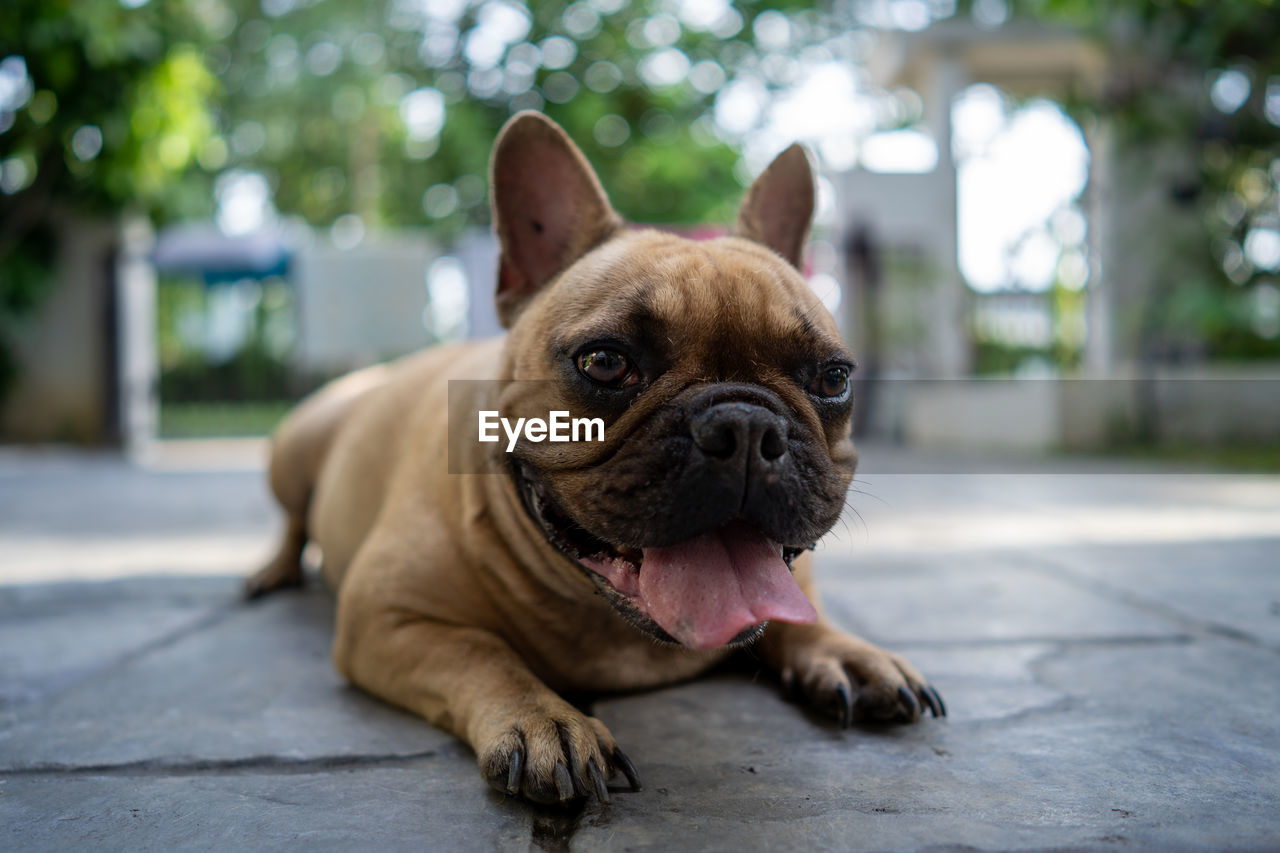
474	599
383	434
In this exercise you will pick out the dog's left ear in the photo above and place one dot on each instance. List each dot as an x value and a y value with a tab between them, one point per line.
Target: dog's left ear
778	207
548	207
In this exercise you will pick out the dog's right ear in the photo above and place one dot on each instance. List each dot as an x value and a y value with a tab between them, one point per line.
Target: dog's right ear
548	207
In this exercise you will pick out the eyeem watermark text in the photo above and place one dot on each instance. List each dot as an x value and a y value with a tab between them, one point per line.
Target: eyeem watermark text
559	426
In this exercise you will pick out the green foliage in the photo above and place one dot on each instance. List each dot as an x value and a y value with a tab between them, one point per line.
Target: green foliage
388	110
221	419
114	103
994	356
135	78
144	104
1166	57
323	89
258	371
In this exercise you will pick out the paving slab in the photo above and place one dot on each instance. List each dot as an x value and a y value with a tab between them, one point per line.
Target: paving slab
1232	587
53	636
944	511
973	596
256	682
67	515
89	493
425	805
212	741
1107	645
1117	759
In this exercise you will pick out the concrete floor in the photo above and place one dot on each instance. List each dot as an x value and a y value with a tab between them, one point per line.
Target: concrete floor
1108	641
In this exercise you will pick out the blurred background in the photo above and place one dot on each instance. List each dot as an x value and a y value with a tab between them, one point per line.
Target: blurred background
1049	230
1042	225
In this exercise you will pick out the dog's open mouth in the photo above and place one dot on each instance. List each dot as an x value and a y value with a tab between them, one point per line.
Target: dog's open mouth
716	589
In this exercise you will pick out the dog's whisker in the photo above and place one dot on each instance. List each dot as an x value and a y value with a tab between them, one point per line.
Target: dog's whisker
869	495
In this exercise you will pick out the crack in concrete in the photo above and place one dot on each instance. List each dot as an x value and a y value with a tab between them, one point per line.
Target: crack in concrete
1117	641
1198	628
844	617
271	765
52	688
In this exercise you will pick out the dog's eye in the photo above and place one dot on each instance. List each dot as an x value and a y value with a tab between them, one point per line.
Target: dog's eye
608	367
831	383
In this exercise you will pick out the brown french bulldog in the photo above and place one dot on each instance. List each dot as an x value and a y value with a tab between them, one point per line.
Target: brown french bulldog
641	559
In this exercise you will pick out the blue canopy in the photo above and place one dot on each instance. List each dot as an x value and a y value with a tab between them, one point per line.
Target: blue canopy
217	257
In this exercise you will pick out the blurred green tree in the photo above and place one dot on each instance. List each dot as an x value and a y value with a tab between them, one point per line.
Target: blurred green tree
1201	80
102	107
386	111
389	111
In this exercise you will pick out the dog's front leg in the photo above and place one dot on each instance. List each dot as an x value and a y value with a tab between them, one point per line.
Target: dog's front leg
843	675
527	739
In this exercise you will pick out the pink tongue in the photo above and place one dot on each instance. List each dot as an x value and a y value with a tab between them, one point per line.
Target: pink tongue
706	591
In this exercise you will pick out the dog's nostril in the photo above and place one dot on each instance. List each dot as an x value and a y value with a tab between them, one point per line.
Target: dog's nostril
772	444
716	439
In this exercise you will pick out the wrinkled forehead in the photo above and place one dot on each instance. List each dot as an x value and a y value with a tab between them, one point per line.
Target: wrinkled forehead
728	290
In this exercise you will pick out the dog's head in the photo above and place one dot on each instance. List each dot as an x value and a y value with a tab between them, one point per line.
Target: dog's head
720	377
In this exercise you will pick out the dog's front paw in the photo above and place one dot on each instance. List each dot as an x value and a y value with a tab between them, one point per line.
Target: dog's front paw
854	681
554	756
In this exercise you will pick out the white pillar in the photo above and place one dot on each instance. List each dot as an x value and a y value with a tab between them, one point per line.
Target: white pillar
1099	346
138	365
949	324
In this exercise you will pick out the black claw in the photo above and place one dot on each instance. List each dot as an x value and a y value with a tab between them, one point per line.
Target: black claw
929	699
939	707
580	787
515	769
845	707
910	700
564	782
628	769
597	779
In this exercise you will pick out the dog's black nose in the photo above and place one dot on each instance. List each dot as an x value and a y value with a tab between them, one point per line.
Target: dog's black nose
731	430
